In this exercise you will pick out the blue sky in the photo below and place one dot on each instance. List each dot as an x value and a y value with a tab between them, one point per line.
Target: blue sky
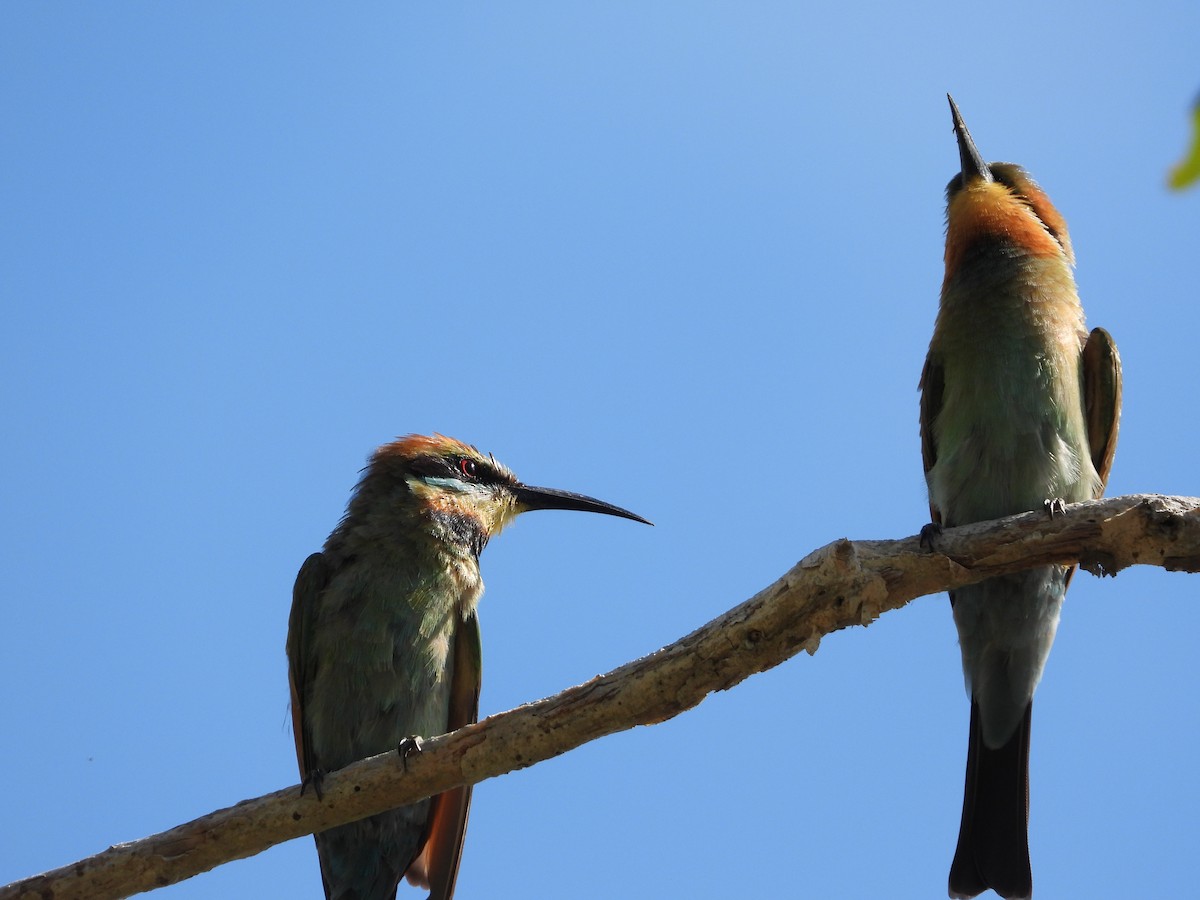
682	257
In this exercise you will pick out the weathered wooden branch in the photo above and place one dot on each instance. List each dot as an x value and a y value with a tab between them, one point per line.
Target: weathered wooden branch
842	584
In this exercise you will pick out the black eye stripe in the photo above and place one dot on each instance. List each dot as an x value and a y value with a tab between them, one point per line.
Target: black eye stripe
433	467
461	467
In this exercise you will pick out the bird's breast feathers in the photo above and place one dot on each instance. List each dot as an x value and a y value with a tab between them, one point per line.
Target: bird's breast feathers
1011	432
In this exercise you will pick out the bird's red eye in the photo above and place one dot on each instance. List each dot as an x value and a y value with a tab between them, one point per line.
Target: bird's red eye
468	467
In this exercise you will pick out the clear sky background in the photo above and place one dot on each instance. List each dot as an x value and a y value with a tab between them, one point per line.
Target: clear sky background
684	257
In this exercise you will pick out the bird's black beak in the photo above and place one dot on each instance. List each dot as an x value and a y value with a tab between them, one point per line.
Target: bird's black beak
972	163
549	498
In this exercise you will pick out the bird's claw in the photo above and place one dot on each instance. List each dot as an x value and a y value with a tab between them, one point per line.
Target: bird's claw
407	747
1055	507
315	778
930	532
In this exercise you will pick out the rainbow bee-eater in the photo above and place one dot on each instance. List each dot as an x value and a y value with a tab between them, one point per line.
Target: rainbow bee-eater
1019	411
383	645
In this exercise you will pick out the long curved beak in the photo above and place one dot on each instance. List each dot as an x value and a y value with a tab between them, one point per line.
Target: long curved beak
969	157
550	498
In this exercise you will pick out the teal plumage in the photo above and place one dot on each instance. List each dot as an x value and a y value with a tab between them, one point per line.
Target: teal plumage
1019	409
383	644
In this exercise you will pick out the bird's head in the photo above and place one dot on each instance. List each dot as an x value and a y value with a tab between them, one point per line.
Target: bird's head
998	204
472	495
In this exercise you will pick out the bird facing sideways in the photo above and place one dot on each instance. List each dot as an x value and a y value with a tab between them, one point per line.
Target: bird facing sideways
383	644
1019	410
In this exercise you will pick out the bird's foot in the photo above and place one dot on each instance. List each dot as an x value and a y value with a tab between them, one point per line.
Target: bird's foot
1055	507
407	747
315	778
929	534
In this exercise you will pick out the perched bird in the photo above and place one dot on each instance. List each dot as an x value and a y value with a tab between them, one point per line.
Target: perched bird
383	644
1019	411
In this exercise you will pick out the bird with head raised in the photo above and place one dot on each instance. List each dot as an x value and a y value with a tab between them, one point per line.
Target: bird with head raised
383	645
1020	406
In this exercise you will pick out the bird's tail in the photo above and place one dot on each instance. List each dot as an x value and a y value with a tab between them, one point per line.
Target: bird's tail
365	859
993	840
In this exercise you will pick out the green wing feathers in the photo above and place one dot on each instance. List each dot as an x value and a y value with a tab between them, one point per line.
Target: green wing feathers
1102	398
436	866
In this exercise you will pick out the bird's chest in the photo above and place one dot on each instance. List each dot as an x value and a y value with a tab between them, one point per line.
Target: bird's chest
385	646
420	612
1010	431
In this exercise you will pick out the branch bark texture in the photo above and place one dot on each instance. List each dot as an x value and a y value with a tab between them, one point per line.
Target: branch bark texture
842	584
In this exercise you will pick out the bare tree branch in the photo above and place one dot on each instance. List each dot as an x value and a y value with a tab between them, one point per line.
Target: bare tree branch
842	584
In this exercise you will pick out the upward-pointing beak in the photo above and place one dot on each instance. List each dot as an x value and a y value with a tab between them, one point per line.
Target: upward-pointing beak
550	498
969	158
